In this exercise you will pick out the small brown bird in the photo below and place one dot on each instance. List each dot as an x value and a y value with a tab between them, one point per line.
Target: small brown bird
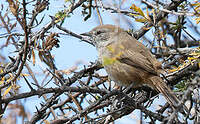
128	61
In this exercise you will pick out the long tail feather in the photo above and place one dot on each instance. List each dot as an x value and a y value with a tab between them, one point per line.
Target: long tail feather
159	84
169	95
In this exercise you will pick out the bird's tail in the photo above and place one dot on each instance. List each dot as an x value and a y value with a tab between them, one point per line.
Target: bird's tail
160	85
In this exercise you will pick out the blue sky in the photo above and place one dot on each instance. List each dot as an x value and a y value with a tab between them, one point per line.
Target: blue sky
72	49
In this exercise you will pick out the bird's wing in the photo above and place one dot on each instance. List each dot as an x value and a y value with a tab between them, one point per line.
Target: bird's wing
137	60
137	55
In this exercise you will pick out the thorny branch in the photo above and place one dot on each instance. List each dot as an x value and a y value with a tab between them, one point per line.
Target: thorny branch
104	102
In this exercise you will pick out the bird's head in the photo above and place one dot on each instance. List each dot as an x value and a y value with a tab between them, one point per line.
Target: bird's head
100	35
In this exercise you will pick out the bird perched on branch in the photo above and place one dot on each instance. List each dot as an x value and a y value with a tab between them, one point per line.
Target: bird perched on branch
128	61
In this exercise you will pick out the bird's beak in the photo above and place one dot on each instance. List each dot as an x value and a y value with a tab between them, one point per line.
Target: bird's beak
87	34
87	37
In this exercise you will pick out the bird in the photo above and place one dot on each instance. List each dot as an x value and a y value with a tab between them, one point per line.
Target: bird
128	62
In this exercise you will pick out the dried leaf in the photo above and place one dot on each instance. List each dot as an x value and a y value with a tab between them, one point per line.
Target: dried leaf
46	122
192	58
22	74
147	28
197	20
33	56
7	90
15	87
51	41
40	53
173	70
140	20
14	7
137	9
134	14
147	15
2	80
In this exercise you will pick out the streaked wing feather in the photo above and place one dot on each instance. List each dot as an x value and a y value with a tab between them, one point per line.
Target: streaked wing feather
136	54
139	61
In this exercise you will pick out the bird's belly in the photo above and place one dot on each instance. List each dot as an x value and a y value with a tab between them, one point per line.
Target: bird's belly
124	74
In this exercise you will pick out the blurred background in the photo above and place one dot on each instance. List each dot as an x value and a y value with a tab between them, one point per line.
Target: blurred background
71	55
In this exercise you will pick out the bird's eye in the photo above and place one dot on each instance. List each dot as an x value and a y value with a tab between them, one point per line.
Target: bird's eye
99	32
